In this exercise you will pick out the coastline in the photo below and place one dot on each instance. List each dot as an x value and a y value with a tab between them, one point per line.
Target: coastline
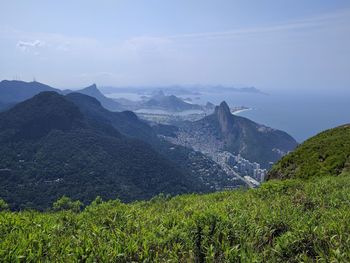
240	111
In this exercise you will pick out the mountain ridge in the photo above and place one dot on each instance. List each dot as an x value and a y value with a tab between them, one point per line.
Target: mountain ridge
14	91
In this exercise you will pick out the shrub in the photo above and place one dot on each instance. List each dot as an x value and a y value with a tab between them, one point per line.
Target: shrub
65	203
3	205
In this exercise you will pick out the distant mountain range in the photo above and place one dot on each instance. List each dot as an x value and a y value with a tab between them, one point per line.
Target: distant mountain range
182	89
16	91
12	92
168	103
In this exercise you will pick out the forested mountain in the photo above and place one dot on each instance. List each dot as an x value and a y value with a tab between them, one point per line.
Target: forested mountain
48	148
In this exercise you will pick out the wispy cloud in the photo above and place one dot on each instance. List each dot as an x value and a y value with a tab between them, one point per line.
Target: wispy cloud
307	23
25	45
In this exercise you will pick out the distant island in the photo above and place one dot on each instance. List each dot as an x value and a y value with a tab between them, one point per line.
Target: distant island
181	89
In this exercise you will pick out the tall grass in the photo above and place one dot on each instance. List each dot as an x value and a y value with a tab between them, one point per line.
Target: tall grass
283	221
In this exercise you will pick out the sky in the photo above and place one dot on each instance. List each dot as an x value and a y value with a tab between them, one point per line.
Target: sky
272	44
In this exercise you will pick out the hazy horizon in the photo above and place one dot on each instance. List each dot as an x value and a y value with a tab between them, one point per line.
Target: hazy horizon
273	46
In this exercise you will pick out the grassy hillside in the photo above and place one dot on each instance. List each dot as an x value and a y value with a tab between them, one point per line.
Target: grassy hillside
328	153
283	221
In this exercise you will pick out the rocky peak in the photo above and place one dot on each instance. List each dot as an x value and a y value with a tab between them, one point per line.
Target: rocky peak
93	88
223	108
92	91
224	116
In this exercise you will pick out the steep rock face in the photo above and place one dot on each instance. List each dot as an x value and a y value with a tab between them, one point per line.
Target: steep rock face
224	117
92	90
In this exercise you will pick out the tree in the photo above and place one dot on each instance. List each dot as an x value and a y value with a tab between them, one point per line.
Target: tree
65	203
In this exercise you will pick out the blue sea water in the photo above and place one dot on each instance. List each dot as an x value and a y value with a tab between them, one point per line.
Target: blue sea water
302	115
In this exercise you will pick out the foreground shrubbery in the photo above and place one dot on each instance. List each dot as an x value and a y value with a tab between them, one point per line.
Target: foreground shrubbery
284	221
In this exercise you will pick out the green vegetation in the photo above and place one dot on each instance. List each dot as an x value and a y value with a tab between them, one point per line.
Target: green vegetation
283	221
65	203
325	154
3	205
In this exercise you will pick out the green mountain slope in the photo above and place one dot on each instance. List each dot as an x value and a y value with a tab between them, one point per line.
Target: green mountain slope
325	154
